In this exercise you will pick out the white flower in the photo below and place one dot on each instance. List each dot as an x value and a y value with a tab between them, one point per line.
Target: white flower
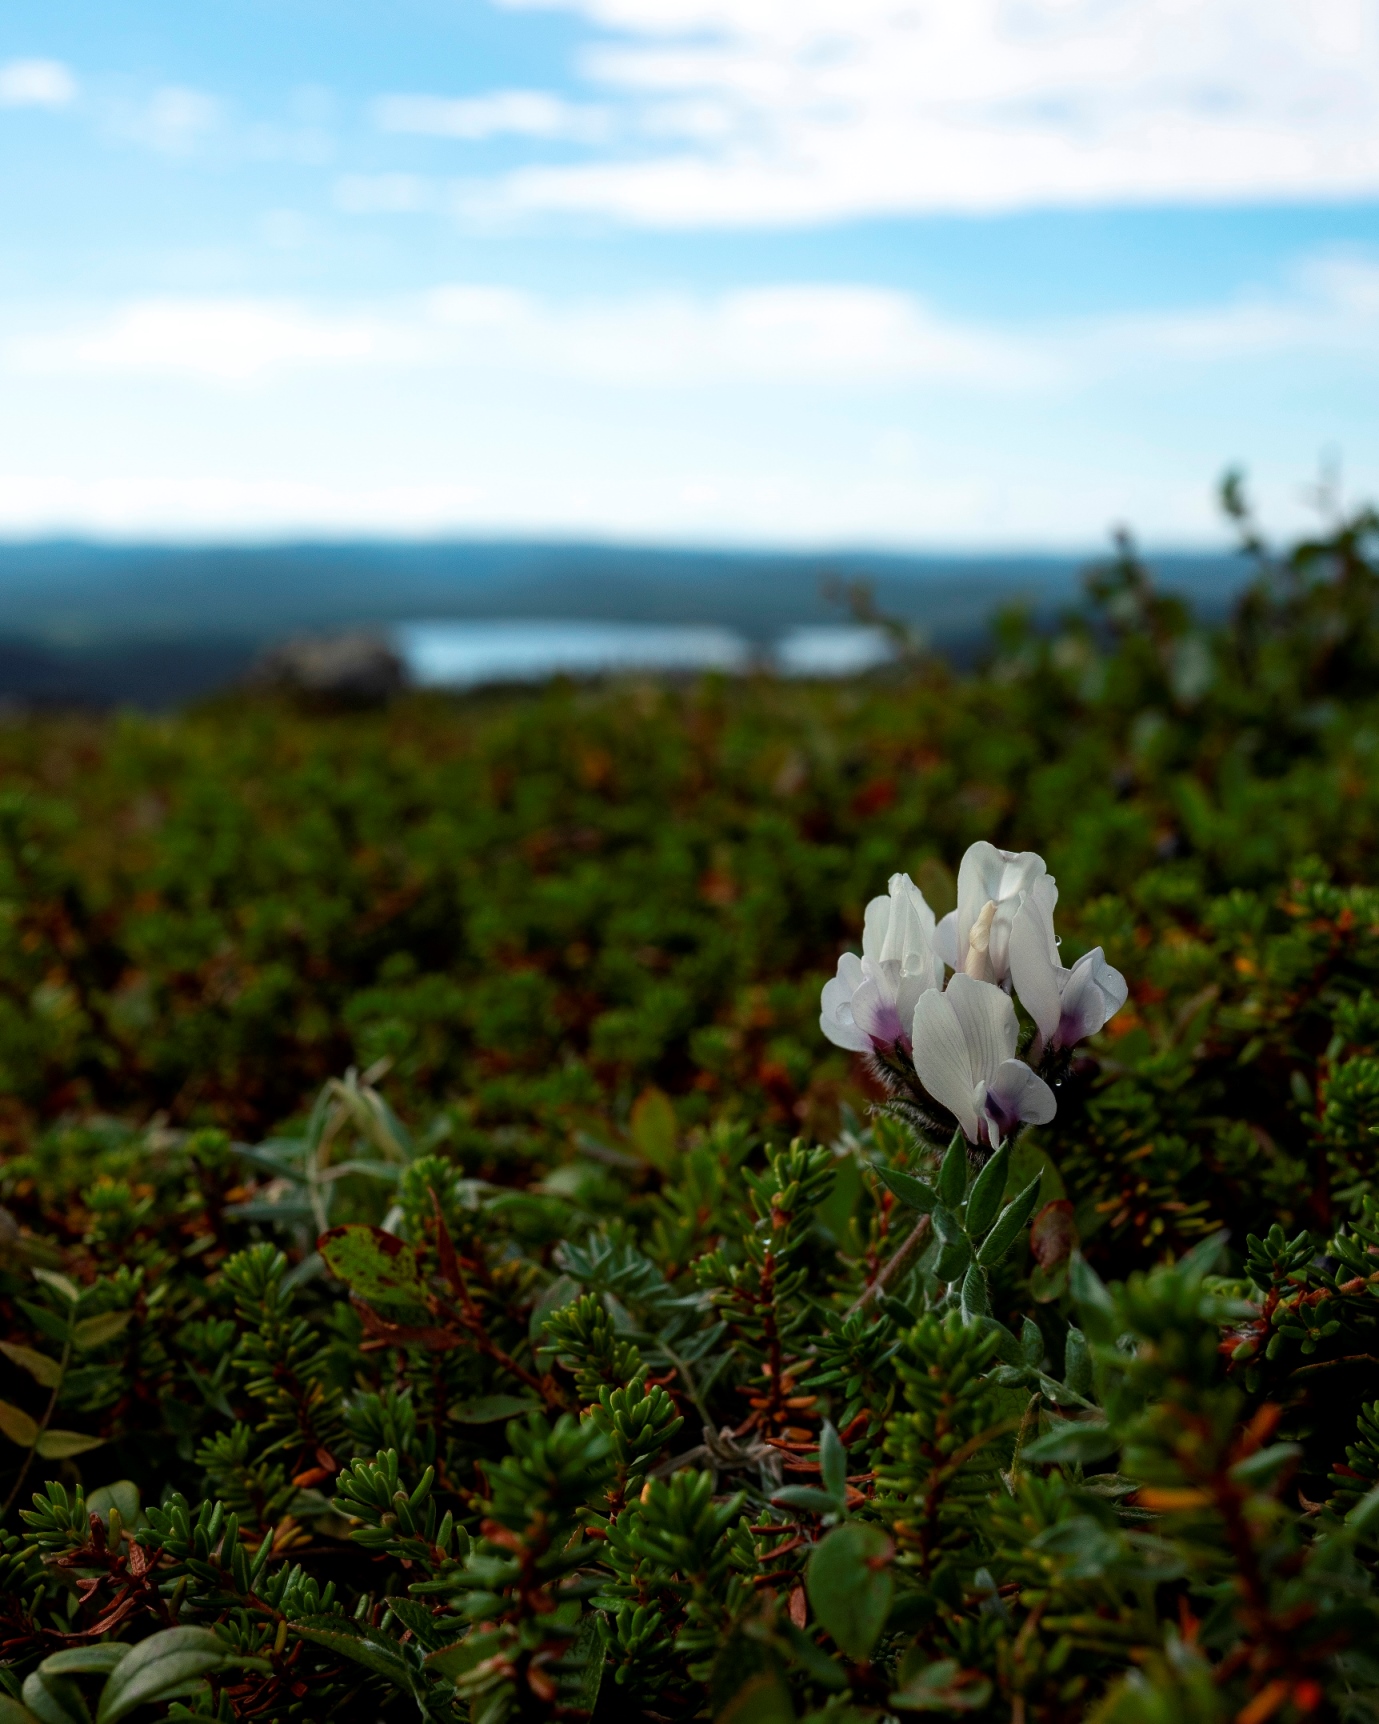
963	1051
994	887
870	1003
1066	1004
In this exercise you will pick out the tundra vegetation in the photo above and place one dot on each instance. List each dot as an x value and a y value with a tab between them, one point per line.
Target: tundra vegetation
743	1201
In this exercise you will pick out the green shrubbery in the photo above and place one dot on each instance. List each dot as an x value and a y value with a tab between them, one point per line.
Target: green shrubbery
638	1356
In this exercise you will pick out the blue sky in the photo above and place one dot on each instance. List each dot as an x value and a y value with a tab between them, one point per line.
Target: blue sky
875	272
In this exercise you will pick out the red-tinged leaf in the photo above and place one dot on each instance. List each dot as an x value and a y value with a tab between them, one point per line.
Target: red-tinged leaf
445	1247
1053	1233
376	1266
406	1334
851	1587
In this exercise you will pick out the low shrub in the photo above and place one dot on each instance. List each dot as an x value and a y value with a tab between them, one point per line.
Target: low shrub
607	1343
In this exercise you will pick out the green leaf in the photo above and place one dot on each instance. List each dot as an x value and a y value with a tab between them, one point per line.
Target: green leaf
122	1495
1263	1466
491	1409
655	1130
590	1653
162	1665
55	1699
987	1191
833	1462
378	1266
947	1225
941	1688
380	1656
77	1660
1031	1342
1094	1304
1010	1224
462	1656
952	1176
1363	1519
911	1191
12	1712
1088	1547
59	1284
18	1426
96	1331
62	1445
763	1700
56	1327
1077	1362
975	1300
1072	1442
953	1260
43	1370
850	1585
1007	1347
808	1497
820	1666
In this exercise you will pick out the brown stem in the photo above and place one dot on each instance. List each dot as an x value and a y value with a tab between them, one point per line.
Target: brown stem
900	1260
472	1318
42	1426
774	1355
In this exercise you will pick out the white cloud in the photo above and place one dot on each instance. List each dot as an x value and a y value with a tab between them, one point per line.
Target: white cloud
521	113
36	84
223	341
795	111
788	337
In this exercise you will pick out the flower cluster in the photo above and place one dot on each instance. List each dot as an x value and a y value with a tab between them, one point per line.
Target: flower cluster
958	1043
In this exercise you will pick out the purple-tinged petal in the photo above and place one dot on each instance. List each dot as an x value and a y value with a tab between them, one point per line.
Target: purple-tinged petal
874	1010
1015	1093
1093	993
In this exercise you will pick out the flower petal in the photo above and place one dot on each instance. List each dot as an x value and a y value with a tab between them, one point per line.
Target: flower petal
873	1005
1038	978
909	991
940	1058
1015	1093
875	926
836	1020
851	970
1004	878
987	1020
1094	992
979	880
912	921
946	943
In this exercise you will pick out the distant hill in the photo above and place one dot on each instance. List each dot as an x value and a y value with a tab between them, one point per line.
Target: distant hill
155	625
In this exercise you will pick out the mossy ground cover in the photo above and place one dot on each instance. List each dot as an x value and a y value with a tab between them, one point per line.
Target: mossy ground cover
444	1267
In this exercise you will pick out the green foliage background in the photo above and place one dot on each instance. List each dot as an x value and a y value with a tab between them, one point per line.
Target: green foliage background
381	1376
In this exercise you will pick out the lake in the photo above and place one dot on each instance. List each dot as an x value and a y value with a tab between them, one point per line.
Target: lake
470	654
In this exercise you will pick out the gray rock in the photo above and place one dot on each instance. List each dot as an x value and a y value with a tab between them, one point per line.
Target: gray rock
358	668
